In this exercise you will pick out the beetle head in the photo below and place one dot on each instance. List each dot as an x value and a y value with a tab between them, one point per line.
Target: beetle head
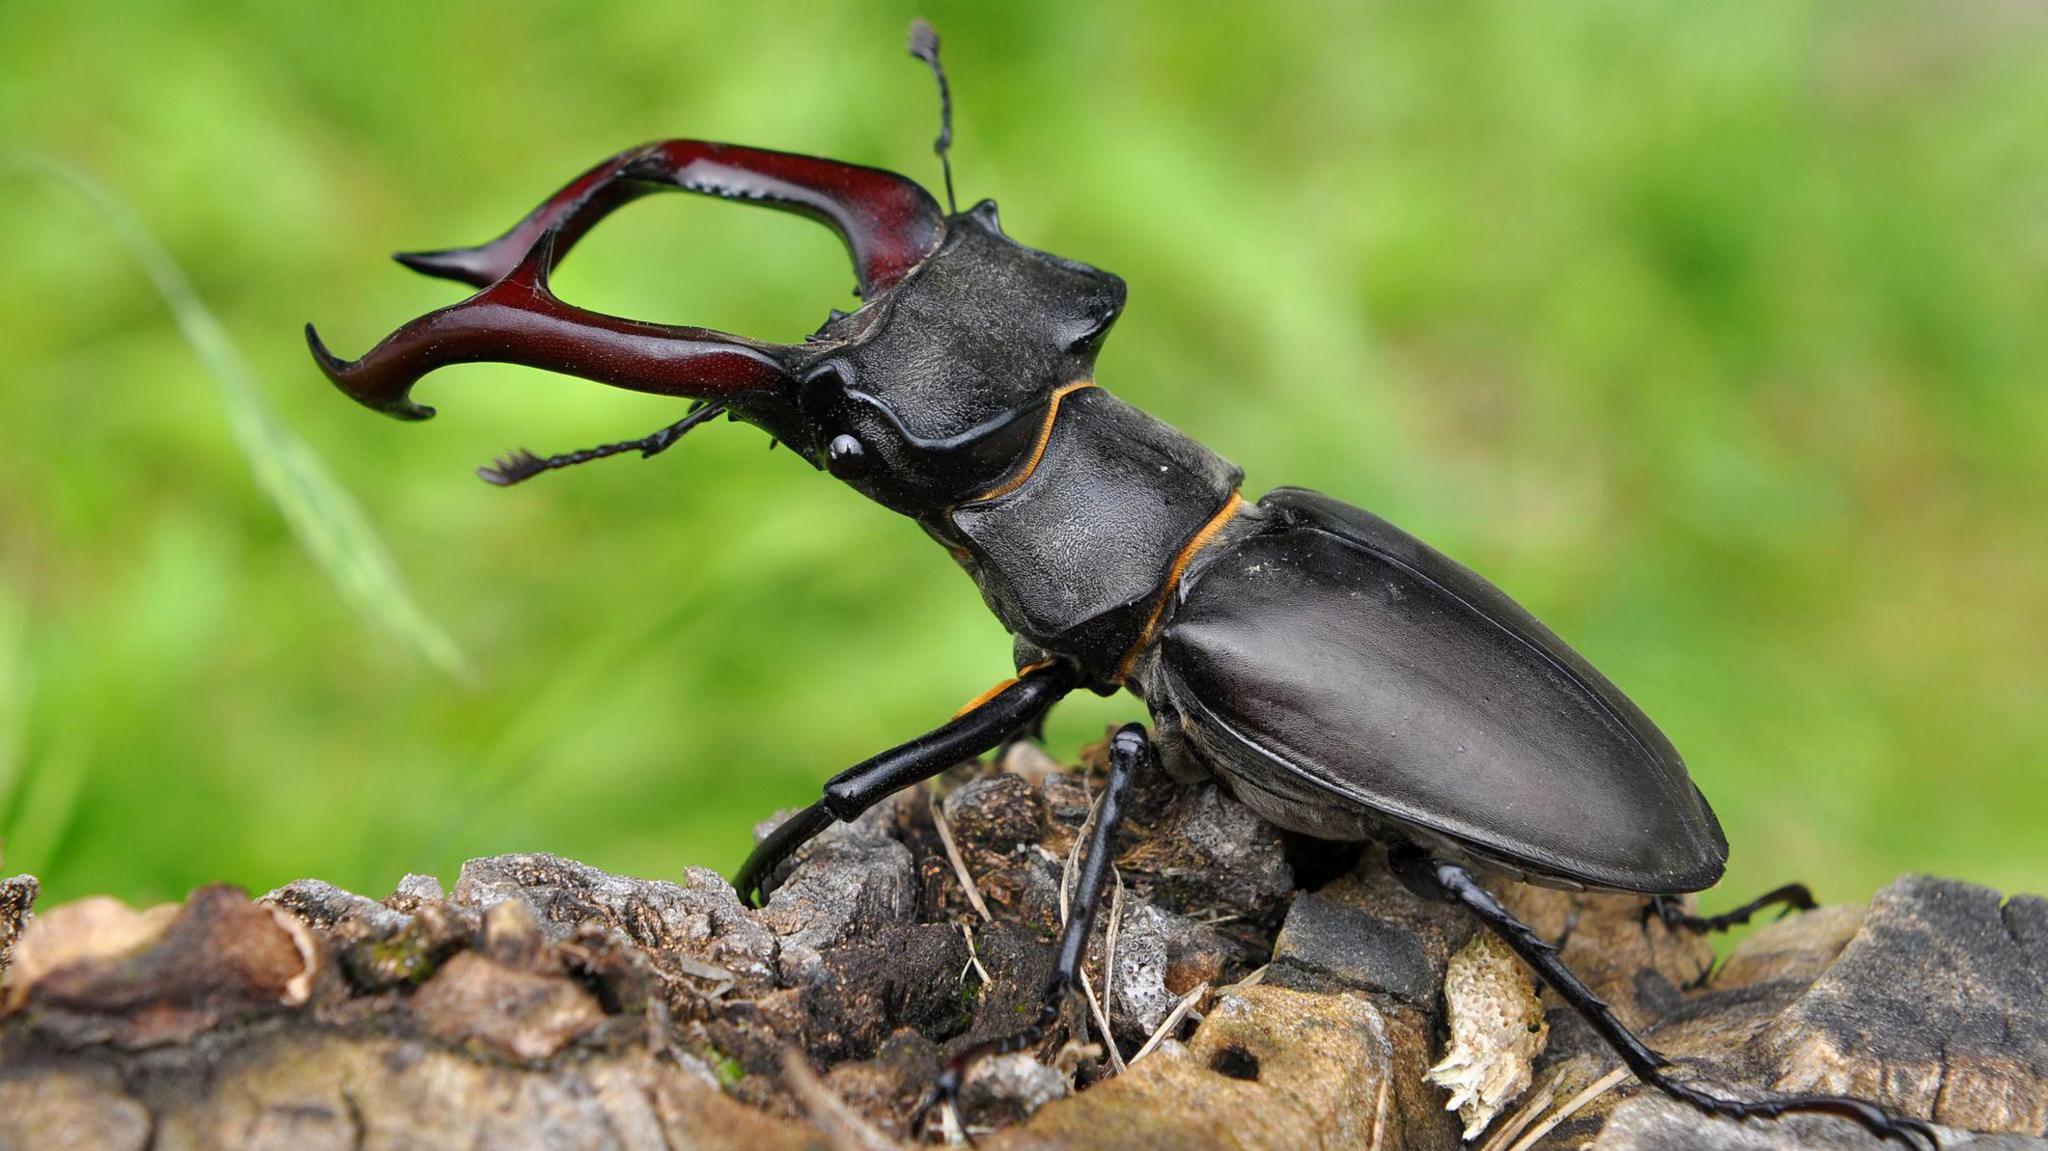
932	392
921	398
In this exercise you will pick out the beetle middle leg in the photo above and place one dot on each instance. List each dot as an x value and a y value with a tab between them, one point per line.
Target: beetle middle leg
1449	881
1130	751
1792	896
980	725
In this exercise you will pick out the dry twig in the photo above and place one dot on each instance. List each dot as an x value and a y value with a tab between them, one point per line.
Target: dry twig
844	1128
1173	1018
1571	1107
973	958
967	883
1538	1100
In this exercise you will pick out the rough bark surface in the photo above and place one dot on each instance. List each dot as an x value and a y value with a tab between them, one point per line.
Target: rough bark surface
1260	991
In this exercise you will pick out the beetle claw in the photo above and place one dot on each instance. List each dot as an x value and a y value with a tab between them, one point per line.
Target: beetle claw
1789	898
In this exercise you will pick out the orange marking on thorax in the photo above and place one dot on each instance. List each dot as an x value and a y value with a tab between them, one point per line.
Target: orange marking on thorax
984	697
1052	412
1180	565
1000	688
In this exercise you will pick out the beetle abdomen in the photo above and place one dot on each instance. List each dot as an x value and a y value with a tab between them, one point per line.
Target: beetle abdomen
1344	674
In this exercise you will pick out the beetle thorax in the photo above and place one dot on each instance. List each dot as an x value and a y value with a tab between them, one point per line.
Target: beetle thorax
965	397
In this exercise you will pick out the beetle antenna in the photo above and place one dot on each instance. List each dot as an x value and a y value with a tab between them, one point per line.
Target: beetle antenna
924	44
521	465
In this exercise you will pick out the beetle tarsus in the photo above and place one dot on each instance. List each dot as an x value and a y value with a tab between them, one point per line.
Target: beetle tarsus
1872	1118
945	1090
1452	882
1130	752
756	880
1792	897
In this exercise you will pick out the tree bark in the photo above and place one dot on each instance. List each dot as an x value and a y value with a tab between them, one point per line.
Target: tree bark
1260	991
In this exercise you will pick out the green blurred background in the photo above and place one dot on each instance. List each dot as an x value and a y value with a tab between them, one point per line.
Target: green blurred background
1713	334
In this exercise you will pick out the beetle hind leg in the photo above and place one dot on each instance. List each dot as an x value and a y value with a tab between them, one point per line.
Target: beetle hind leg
1453	883
1792	897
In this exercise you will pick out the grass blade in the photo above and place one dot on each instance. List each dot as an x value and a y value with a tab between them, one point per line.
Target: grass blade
328	524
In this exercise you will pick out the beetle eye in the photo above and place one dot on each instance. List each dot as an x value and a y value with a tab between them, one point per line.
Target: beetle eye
845	457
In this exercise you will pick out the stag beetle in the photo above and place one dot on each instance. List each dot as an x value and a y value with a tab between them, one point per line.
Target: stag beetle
1342	678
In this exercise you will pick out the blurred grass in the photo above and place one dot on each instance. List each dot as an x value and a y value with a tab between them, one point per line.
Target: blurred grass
328	524
1714	335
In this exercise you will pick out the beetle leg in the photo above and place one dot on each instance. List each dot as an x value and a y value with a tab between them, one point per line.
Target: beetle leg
980	726
1794	897
1129	751
1032	731
1449	881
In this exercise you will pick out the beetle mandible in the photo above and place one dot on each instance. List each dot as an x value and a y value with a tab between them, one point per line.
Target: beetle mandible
1341	677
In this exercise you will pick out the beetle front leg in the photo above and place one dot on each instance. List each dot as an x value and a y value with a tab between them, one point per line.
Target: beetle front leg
1449	881
1033	732
979	726
1130	751
1793	897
